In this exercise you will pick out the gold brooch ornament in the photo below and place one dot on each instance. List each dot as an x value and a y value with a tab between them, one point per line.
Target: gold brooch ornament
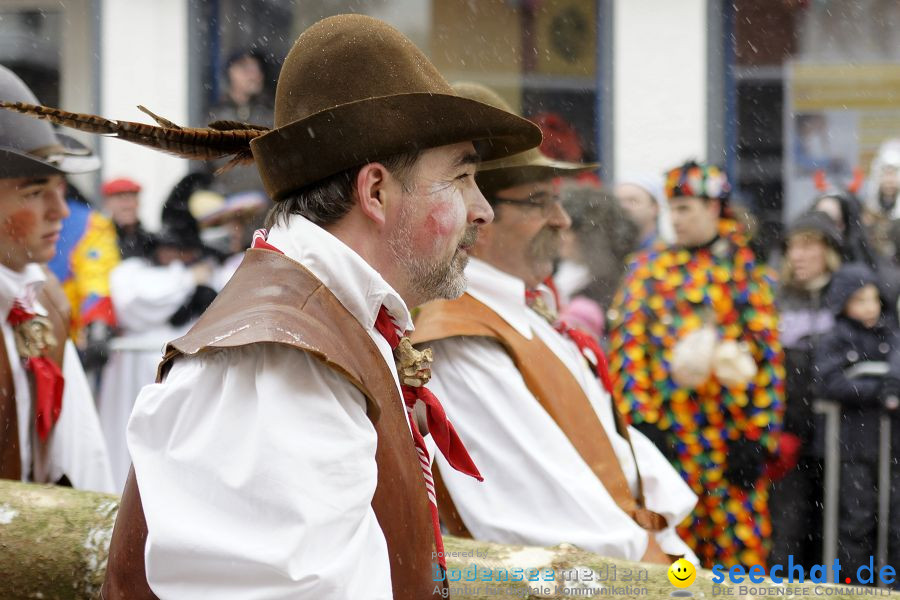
541	307
34	337
413	366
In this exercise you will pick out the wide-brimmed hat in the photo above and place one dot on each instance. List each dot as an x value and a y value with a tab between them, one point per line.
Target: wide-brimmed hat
31	148
243	205
524	167
354	90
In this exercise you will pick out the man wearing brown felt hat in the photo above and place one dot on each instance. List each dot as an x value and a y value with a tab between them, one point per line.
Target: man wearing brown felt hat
279	457
510	372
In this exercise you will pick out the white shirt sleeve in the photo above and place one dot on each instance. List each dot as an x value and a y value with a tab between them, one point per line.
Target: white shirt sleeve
665	492
256	468
144	295
78	449
537	489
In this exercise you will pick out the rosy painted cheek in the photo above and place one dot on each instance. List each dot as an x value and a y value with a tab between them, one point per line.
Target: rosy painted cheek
445	218
20	224
441	221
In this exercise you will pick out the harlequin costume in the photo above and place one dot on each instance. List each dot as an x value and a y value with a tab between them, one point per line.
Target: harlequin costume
668	293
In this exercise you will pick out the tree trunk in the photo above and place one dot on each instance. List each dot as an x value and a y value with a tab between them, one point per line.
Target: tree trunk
54	543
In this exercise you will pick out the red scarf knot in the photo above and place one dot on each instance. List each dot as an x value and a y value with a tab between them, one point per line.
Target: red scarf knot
34	336
442	431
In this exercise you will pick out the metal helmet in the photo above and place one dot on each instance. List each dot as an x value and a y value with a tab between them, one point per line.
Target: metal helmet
30	147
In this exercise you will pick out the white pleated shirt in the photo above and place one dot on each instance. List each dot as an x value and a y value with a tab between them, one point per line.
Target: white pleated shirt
537	489
256	465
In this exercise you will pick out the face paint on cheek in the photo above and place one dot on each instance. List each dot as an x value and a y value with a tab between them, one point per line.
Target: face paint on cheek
445	218
20	224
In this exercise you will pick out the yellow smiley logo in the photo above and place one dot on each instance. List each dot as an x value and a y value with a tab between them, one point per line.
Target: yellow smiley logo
682	573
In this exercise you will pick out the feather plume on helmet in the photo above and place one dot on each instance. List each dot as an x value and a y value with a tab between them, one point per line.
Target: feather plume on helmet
218	140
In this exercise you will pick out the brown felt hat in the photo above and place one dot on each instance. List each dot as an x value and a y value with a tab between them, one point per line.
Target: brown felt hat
354	90
525	167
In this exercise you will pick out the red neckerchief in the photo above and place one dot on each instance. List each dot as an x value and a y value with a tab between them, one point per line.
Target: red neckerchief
48	379
587	345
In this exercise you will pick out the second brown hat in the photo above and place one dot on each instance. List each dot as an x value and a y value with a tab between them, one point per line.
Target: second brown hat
525	167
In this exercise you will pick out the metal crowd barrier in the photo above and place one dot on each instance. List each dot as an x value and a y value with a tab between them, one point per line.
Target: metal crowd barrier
832	412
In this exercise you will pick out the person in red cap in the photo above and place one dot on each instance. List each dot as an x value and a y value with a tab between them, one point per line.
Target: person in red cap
121	201
156	299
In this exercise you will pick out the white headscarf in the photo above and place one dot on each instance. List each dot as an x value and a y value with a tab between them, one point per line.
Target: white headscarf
888	156
653	185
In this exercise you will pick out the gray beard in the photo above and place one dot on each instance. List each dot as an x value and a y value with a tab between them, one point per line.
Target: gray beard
429	280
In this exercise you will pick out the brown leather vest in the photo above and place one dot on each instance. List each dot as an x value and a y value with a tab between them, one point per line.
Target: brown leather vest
273	299
552	384
54	300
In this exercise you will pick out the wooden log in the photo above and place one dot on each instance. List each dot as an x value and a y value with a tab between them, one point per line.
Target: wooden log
54	544
53	541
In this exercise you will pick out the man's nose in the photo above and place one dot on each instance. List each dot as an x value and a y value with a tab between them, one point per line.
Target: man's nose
558	216
55	199
479	210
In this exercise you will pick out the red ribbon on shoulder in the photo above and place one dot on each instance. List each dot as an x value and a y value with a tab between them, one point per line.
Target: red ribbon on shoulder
48	380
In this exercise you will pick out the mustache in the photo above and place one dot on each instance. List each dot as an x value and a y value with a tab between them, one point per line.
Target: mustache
469	237
545	245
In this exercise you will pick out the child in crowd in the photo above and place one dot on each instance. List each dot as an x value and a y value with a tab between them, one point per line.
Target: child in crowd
858	364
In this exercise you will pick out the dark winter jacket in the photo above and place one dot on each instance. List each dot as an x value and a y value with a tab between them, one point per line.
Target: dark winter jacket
855	365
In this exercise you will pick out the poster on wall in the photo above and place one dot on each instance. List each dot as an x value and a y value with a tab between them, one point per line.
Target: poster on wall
835	117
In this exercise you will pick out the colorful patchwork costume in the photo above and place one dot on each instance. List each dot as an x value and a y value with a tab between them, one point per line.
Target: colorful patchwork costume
668	293
87	252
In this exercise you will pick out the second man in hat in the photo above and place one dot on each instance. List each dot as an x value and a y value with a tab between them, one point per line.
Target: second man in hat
558	462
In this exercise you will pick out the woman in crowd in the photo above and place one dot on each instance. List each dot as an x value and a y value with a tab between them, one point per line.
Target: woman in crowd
601	237
811	257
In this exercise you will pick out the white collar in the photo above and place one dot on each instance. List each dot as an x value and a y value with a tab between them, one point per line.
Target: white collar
504	294
22	286
358	286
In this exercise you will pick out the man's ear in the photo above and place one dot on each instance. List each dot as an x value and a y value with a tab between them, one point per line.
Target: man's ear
370	191
715	207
